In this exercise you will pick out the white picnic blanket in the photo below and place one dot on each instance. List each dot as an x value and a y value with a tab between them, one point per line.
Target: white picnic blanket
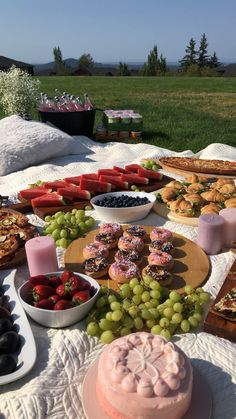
52	389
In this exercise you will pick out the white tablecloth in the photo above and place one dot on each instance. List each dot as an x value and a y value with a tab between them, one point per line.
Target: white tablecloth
52	389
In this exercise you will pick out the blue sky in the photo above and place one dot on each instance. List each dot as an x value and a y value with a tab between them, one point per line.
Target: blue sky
121	30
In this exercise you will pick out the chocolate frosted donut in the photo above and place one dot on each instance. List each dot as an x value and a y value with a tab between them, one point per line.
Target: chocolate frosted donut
135	231
158	273
123	272
157	245
127	256
96	267
108	239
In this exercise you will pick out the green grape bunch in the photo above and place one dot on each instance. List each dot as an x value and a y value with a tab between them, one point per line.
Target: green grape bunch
64	227
145	305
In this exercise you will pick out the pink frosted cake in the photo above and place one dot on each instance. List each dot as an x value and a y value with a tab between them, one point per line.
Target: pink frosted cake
143	376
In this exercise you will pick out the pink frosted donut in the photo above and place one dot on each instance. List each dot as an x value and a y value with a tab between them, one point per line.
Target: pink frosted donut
135	231
158	245
123	272
161	259
94	250
112	228
130	243
163	234
128	256
108	240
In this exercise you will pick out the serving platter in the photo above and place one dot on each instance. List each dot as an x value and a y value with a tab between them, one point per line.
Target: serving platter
215	323
191	263
27	354
200	407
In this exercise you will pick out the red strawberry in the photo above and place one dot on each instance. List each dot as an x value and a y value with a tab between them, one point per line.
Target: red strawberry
62	291
63	305
66	275
54	298
40	292
54	281
81	297
70	287
46	304
39	280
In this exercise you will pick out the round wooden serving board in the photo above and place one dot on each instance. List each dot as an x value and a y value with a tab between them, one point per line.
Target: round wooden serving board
191	263
185	173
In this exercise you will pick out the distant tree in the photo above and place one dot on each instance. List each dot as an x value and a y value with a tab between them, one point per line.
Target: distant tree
59	64
190	58
154	65
213	61
203	57
85	62
123	69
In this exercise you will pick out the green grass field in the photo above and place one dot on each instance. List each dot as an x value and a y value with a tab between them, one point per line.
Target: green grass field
179	113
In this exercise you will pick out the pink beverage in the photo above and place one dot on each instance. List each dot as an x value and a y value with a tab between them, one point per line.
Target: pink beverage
88	105
210	233
41	255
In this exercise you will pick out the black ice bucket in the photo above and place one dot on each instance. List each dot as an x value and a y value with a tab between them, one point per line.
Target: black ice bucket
73	123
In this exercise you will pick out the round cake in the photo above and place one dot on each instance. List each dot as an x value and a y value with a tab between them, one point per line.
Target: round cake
143	376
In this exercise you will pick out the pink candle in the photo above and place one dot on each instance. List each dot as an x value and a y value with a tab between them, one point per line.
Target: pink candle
229	235
41	255
210	233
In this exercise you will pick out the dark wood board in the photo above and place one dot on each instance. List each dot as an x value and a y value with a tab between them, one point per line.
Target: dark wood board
25	206
216	324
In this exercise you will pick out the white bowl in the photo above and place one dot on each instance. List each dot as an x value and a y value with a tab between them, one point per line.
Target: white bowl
57	318
127	214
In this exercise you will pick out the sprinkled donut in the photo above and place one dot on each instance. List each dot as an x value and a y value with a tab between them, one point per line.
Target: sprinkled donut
111	228
157	245
128	256
96	267
94	250
135	231
162	259
123	272
130	243
158	273
107	239
163	234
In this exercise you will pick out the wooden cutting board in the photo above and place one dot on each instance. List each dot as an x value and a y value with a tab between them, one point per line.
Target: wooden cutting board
191	263
217	325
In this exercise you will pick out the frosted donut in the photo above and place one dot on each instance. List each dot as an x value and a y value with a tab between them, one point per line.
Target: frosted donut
130	243
158	273
96	267
94	250
135	231
112	228
157	245
123	272
128	256
162	259
108	240
163	234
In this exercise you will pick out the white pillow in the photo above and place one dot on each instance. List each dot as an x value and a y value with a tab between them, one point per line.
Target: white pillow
26	143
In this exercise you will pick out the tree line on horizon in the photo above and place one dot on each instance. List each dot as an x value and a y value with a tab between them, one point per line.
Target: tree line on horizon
195	62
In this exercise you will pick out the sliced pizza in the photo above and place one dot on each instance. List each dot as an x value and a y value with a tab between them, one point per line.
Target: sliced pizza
226	306
221	167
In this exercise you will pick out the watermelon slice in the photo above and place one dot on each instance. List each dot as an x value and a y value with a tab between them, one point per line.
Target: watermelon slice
75	180
94	185
107	172
29	194
93	176
132	167
74	193
150	174
134	179
48	200
115	181
121	170
56	184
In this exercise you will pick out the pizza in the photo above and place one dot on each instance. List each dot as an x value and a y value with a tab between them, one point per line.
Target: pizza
220	167
226	306
15	230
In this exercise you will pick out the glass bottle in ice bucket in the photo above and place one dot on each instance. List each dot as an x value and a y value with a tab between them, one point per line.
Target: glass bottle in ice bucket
88	105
